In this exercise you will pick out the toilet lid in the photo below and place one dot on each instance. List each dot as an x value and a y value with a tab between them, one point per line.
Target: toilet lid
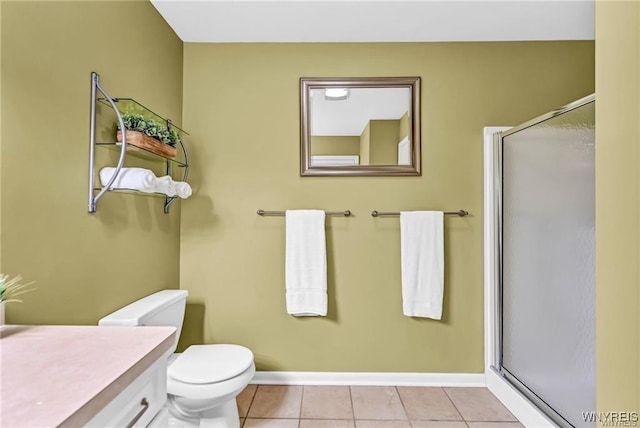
210	363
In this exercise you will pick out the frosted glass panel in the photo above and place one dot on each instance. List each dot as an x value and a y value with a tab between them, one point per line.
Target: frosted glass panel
548	261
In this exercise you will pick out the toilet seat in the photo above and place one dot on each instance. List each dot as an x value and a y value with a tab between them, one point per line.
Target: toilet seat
223	390
207	364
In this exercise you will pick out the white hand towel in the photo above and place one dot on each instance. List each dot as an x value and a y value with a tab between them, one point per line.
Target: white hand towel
306	263
422	254
140	179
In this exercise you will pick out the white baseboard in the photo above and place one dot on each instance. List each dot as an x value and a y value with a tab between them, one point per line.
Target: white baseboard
529	415
369	379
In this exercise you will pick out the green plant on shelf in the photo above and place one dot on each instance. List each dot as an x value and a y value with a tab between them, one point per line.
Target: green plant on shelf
137	122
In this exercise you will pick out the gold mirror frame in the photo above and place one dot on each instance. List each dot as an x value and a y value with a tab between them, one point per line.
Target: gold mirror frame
307	84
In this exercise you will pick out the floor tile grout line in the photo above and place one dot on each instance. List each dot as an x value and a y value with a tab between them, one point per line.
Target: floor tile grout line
404	408
253	397
255	393
353	411
301	402
444	389
272	417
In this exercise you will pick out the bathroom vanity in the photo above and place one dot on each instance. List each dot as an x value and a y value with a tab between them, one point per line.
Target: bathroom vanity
70	376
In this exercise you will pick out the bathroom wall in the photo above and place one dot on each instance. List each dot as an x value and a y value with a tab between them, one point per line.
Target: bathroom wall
84	265
383	142
335	145
365	144
241	103
618	206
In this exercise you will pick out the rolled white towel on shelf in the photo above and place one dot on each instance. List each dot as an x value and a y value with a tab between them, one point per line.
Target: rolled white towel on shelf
140	179
169	187
145	180
183	189
165	186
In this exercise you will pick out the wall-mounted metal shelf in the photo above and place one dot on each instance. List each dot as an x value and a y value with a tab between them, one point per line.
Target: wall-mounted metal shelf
142	153
133	192
129	106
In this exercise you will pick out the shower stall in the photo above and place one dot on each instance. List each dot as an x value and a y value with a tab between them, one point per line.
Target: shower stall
540	268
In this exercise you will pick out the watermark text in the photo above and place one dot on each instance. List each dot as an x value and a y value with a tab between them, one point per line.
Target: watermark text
612	419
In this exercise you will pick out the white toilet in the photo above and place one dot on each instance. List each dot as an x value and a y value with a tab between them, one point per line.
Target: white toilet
203	381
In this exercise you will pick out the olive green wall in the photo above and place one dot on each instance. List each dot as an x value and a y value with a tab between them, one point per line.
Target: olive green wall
383	142
335	145
365	141
84	265
618	205
232	261
378	142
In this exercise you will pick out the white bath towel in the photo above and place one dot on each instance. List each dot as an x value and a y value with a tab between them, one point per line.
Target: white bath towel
306	263
140	179
422	254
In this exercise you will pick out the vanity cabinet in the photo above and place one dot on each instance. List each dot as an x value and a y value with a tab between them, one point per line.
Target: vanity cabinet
140	149
76	376
139	402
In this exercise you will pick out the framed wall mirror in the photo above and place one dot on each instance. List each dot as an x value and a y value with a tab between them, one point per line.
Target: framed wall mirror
353	126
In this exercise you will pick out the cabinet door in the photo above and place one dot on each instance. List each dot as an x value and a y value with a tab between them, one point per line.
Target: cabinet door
138	403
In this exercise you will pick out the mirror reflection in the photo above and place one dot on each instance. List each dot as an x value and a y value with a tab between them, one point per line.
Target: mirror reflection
360	126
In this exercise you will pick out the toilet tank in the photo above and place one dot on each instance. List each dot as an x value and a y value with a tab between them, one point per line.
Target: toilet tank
164	308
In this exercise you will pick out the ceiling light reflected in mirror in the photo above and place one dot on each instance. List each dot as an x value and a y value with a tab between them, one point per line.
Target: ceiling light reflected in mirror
336	94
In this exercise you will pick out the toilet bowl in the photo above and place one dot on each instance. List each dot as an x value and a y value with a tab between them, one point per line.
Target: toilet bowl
202	382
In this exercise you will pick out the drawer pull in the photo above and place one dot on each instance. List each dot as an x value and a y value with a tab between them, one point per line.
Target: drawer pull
145	406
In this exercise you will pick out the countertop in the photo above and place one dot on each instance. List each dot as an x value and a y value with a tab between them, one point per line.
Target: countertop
64	375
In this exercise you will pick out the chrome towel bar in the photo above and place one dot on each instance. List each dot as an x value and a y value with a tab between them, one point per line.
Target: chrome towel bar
375	213
345	213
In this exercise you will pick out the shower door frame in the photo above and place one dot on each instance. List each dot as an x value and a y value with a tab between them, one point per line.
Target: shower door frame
516	397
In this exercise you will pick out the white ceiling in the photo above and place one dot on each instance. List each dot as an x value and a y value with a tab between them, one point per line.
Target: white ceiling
351	116
378	21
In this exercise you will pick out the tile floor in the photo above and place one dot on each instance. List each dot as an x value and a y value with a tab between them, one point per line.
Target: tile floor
276	406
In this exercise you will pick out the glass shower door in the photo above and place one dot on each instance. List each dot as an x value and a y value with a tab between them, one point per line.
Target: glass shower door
547	282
